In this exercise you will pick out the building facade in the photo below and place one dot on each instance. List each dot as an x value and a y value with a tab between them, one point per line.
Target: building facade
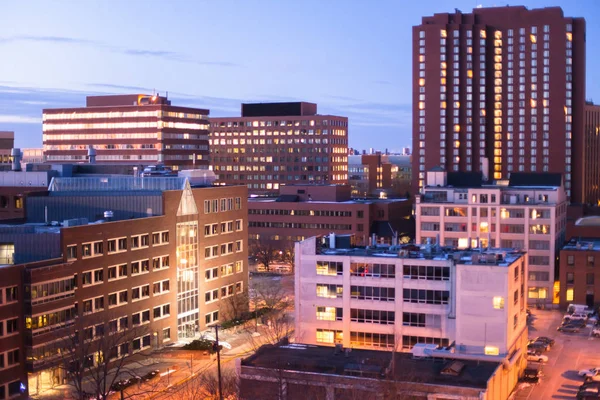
578	260
7	142
470	303
488	97
302	211
526	213
273	144
369	175
591	155
129	129
149	280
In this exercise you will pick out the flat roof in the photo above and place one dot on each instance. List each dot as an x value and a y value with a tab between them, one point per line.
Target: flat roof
354	201
583	244
324	359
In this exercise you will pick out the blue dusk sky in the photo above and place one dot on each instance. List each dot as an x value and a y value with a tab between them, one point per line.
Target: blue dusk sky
352	57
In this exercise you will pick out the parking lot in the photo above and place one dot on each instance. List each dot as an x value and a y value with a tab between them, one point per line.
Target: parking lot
571	353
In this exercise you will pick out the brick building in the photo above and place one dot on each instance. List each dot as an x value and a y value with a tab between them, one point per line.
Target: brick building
591	155
163	266
272	144
128	129
488	97
303	211
369	175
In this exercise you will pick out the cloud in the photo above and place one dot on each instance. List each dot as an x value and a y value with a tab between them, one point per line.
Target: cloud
165	54
382	82
19	119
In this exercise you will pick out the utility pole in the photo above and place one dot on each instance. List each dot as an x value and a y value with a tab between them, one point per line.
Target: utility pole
218	361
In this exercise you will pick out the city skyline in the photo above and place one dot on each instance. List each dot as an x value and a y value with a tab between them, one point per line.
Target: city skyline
62	54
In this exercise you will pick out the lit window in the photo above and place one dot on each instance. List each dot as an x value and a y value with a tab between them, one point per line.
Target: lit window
569	295
498	303
491	351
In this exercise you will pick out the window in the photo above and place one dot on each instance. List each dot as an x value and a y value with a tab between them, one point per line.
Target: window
570	278
590	261
211	318
373	270
422	320
211	274
372	293
160	238
161	311
372	316
12	326
211	296
331	268
329	313
570	260
426	272
71	252
426	296
166	334
329	291
238	246
589	278
368	339
12	294
329	336
117	298
238	225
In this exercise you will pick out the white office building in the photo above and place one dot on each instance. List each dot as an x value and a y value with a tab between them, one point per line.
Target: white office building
469	302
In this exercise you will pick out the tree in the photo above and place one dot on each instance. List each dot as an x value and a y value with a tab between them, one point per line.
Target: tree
204	384
234	307
287	254
264	251
94	359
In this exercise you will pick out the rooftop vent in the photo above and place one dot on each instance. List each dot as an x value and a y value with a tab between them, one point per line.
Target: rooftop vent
453	369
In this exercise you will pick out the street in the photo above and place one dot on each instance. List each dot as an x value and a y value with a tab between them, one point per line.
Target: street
571	353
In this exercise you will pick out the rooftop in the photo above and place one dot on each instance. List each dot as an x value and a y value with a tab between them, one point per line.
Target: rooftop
103	183
592	220
583	244
469	256
370	363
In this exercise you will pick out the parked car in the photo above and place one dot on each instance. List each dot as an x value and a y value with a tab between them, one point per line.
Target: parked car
575	316
151	375
568	328
545	339
589	372
120	385
134	380
531	375
534	356
589	385
588	394
537	346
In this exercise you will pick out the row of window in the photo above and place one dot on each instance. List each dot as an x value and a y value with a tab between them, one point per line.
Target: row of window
226	248
9	359
224	270
139	267
304	213
9	327
226	227
299	225
222	205
312	122
117	245
9	295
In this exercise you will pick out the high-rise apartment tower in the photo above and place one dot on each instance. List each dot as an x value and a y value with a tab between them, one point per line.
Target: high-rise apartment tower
499	90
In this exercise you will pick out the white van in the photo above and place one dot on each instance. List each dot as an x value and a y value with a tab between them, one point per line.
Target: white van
579	308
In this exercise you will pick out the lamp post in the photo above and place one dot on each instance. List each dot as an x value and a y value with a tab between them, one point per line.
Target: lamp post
218	349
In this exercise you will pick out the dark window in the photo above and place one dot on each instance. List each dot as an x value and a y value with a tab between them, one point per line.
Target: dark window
570	277
589	278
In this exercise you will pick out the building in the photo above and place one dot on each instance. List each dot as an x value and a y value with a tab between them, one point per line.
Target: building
578	260
7	142
401	173
32	156
591	155
369	175
273	144
302	211
487	96
527	212
470	302
296	371
129	129
164	266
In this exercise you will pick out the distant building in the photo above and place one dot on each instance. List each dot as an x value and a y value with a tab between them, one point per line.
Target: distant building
7	142
401	174
527	212
273	144
395	297
579	282
302	211
101	254
488	96
297	371
369	175
127	129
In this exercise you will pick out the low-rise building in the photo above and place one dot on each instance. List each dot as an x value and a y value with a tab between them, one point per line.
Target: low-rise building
471	303
296	372
578	261
369	175
527	212
302	211
164	259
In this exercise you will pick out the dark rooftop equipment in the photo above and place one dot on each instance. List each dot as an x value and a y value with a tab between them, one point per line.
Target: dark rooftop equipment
287	198
278	109
535	179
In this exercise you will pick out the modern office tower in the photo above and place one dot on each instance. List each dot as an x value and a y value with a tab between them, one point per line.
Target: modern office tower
127	129
499	90
303	211
591	155
160	257
526	213
273	144
464	304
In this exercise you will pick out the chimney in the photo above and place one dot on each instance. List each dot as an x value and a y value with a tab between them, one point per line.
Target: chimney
16	159
91	154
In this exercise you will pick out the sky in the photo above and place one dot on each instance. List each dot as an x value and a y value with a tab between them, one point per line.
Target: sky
352	57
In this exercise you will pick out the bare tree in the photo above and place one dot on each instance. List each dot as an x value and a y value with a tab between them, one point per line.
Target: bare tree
234	307
264	251
287	254
204	384
94	358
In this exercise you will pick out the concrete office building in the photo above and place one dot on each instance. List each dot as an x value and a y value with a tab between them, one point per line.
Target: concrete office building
165	262
272	144
302	211
471	302
527	212
488	97
127	129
